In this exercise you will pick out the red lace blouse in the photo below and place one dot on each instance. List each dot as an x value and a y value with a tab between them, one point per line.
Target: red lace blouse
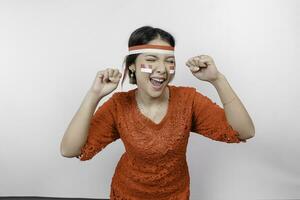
154	165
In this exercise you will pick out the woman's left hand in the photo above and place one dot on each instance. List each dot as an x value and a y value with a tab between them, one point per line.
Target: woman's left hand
203	68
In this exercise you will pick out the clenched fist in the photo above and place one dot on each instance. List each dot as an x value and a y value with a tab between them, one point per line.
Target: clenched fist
203	67
106	81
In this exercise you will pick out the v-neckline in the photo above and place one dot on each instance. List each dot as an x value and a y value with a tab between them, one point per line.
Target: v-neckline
148	121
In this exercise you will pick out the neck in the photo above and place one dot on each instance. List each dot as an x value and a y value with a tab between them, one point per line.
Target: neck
149	101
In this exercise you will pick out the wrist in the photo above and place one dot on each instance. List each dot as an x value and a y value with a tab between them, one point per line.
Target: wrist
220	77
93	96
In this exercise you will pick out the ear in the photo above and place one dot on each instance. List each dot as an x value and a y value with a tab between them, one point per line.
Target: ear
132	67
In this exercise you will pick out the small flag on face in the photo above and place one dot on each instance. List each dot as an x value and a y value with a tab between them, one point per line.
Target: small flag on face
146	68
172	69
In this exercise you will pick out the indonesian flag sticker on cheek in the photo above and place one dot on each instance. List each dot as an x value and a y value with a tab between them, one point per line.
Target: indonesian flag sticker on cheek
172	69
146	68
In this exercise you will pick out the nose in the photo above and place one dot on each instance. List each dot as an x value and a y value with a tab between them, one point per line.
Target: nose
161	68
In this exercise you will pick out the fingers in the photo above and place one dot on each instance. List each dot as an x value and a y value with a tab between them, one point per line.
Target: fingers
109	75
106	75
110	72
115	73
196	63
199	61
100	75
192	66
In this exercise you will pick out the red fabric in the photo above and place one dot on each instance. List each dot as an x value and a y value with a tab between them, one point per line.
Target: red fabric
154	164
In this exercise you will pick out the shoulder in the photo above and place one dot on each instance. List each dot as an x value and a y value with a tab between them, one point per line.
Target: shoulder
184	95
184	91
122	94
188	94
122	97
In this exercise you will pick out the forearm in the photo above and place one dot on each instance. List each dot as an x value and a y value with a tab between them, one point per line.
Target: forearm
76	133
236	114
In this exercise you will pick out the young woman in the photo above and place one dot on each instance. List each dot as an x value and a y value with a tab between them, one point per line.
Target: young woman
155	119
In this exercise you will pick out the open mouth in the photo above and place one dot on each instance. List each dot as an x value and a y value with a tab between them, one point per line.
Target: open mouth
157	82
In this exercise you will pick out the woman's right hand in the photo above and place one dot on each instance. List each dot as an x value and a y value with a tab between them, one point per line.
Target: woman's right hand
106	81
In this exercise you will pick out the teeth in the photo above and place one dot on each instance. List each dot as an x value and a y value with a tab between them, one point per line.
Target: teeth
160	80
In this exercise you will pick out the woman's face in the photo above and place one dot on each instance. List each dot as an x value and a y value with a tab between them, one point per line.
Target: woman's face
161	65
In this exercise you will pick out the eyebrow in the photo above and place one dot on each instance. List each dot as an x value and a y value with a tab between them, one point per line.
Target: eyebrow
156	56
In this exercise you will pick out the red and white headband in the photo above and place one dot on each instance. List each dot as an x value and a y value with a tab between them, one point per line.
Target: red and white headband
148	48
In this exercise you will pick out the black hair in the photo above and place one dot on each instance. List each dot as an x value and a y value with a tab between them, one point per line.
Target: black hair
141	36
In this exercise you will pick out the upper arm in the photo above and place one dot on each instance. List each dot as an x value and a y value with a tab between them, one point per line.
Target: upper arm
102	130
209	120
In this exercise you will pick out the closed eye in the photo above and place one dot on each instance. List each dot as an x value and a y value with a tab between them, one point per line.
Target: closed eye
152	60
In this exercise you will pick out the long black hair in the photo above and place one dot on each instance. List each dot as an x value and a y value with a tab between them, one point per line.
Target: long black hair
141	36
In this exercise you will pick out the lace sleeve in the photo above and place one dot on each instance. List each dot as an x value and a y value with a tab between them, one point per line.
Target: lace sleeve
209	120
102	130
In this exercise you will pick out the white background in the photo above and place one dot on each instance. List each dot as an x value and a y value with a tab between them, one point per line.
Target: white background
50	52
